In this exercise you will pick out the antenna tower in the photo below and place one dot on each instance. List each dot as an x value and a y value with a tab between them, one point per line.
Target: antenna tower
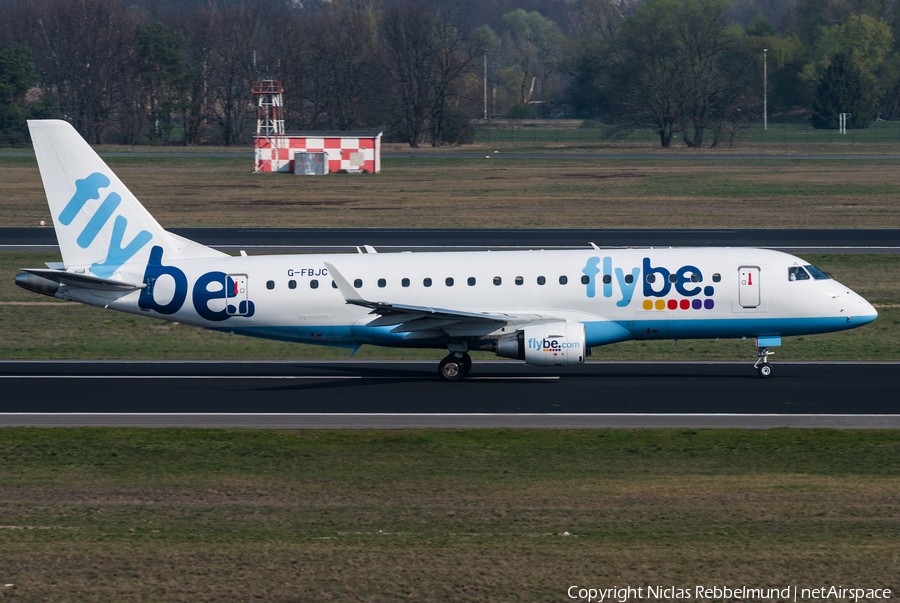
269	124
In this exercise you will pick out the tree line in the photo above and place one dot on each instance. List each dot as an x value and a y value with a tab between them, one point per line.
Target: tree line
689	70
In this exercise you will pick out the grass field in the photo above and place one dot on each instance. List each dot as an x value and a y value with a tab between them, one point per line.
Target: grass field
217	515
778	135
439	516
431	192
34	326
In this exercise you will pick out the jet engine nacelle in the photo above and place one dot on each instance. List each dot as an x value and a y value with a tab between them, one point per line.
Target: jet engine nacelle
37	284
553	344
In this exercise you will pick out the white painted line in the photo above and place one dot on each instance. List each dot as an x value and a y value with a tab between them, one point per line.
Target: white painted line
481	363
444	414
262	377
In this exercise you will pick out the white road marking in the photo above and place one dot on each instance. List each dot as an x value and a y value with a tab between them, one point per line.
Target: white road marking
441	414
221	377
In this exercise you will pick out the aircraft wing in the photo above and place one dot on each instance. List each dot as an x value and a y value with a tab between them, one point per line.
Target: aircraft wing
424	322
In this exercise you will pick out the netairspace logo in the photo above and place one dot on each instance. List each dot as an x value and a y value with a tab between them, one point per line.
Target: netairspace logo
701	593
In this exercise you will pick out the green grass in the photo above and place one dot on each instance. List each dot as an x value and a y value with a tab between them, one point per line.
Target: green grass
65	330
231	515
778	132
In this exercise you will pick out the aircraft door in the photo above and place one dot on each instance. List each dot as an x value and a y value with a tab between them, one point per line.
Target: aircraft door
236	295
748	286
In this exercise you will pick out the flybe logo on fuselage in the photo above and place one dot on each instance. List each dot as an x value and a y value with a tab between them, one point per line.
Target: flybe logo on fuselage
210	287
657	282
85	190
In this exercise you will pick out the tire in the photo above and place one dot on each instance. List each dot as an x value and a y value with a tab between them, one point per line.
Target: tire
765	371
451	368
466	364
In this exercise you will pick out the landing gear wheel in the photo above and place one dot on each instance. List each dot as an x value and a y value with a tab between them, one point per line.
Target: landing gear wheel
466	364
452	368
764	370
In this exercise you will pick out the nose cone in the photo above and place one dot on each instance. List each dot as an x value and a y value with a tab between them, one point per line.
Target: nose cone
869	314
861	312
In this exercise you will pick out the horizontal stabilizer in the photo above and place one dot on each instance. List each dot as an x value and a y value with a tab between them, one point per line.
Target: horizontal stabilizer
83	281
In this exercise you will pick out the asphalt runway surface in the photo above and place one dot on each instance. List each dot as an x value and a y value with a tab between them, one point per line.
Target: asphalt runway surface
327	240
408	394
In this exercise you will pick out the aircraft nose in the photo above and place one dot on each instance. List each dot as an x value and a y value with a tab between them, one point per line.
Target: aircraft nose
864	312
871	313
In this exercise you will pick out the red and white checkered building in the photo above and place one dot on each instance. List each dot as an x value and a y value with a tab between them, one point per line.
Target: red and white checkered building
351	151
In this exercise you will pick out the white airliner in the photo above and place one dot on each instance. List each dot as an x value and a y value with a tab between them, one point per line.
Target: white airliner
548	308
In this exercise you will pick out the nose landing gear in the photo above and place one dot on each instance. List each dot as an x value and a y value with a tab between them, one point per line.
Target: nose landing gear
455	366
762	365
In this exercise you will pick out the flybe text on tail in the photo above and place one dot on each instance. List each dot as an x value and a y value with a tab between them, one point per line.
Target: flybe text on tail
89	188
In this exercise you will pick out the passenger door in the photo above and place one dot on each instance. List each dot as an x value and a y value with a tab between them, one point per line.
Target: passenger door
748	286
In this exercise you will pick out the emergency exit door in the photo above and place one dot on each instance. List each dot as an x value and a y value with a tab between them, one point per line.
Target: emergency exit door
236	295
748	286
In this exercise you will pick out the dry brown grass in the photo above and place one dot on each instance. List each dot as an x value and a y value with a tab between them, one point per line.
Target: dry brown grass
573	193
429	541
439	515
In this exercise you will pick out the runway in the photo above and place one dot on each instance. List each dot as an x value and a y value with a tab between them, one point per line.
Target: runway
335	240
408	394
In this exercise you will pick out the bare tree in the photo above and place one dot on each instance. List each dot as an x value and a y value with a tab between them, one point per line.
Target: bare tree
405	30
453	56
343	68
201	38
83	51
232	69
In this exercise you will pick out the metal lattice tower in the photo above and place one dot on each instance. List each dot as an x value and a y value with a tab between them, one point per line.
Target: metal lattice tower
269	124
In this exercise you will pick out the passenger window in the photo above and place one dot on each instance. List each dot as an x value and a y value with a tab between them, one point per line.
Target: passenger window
607	279
498	281
673	278
313	284
382	283
405	282
563	280
585	279
427	282
270	284
520	280
651	278
333	285
357	283
717	277
292	284
695	278
471	281
541	280
796	273
448	281
629	278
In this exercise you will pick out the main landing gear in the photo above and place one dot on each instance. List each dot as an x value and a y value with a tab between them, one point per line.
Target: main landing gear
762	365
455	366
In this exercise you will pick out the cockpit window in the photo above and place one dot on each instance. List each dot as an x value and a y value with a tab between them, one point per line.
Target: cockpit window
816	273
796	273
